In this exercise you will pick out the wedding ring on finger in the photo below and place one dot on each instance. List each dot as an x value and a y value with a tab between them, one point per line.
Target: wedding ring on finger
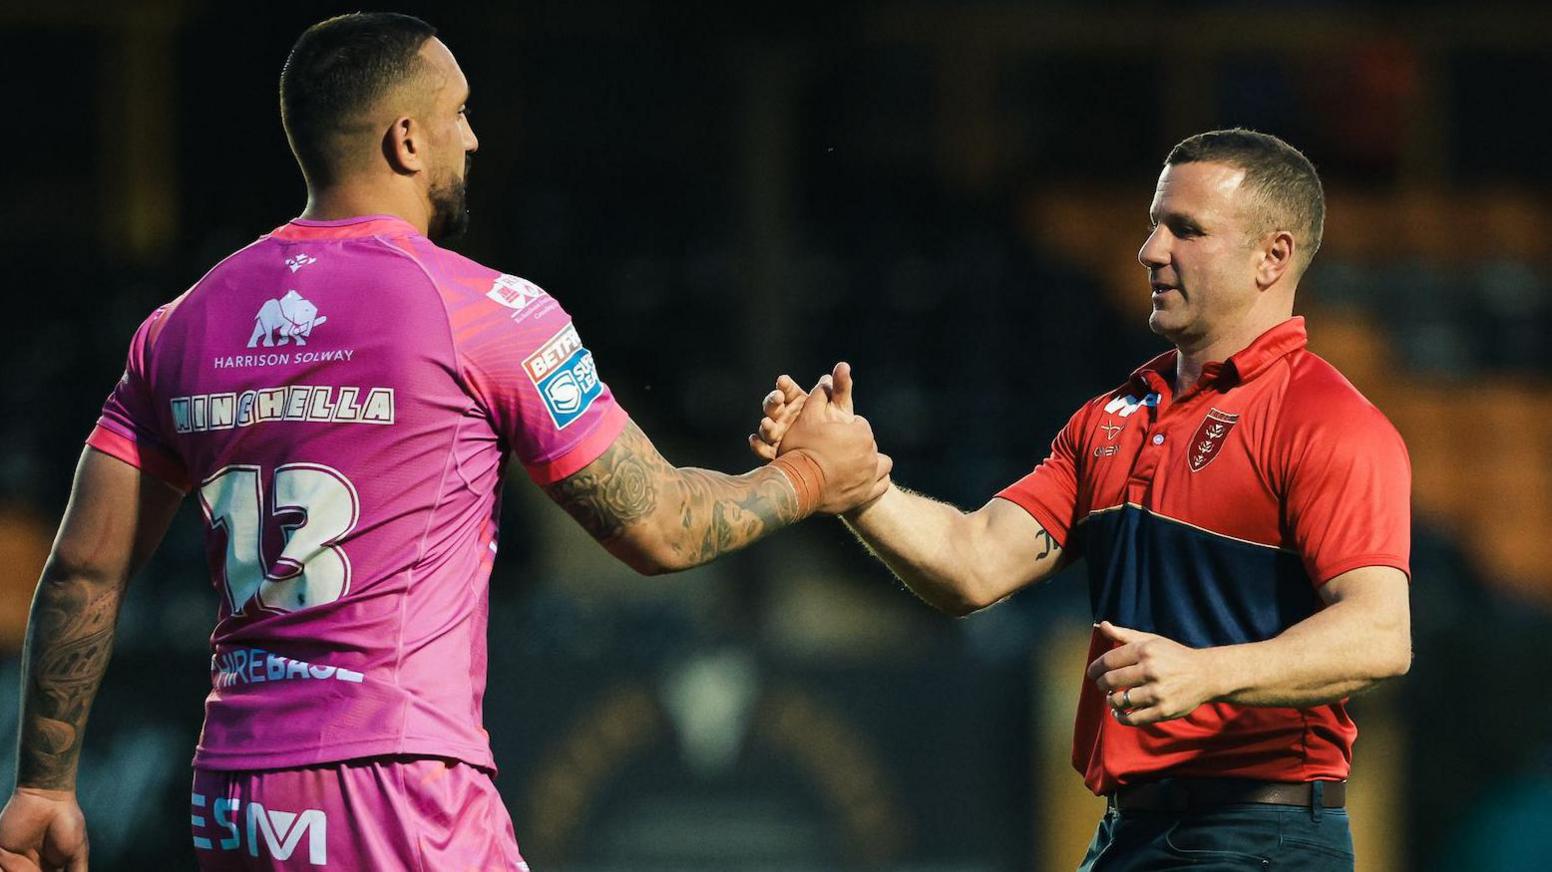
1126	699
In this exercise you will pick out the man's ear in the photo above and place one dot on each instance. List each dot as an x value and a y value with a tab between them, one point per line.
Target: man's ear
402	146
1277	254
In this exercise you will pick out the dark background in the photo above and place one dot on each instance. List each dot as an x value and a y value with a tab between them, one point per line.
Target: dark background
950	196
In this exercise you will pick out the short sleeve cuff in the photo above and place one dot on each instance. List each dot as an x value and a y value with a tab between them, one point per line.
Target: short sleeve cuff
141	455
593	445
1052	522
1324	572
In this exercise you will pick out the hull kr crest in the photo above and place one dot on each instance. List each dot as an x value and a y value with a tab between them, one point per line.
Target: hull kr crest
1209	438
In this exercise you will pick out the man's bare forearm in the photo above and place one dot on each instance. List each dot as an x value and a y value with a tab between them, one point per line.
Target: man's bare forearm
956	562
69	641
915	536
693	515
1333	654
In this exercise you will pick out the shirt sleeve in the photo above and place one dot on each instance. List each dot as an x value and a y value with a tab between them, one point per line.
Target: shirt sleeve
129	427
1050	492
1348	500
528	368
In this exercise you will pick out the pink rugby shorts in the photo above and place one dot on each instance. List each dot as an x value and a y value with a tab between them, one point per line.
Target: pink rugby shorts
380	813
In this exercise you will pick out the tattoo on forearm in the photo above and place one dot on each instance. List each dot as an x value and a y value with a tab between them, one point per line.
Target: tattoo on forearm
612	492
723	513
69	641
718	512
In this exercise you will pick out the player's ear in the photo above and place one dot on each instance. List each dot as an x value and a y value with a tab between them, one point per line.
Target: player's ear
1277	251
402	146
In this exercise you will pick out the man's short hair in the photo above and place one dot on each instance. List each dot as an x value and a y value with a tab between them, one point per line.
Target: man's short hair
337	71
1282	179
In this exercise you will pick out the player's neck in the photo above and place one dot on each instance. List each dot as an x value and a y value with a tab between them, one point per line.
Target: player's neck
347	200
1221	345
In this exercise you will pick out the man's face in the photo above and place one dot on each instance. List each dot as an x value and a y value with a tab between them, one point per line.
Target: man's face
1200	256
452	142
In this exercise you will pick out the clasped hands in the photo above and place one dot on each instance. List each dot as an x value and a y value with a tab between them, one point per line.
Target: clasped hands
1147	678
822	424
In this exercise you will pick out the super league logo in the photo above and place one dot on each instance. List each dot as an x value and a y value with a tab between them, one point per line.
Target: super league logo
1209	438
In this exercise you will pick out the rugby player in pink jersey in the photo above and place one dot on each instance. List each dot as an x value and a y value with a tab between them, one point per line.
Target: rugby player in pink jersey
342	397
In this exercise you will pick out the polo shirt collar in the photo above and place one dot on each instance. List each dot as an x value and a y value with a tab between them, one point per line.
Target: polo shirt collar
1269	347
1156	373
304	229
1242	366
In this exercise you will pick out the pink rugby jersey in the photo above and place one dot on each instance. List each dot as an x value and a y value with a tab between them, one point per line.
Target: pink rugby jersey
341	397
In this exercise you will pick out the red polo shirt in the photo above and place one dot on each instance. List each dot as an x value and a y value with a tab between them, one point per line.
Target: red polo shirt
1211	518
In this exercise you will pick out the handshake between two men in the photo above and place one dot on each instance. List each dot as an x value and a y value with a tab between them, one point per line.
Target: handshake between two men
961	562
828	450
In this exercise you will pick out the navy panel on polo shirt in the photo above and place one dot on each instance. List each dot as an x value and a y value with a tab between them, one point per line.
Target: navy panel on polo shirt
1212	518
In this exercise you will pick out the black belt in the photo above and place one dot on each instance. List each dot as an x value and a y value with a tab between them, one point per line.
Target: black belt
1188	794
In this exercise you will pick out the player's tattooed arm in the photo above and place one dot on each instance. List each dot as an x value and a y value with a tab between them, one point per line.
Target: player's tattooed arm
114	521
661	518
69	640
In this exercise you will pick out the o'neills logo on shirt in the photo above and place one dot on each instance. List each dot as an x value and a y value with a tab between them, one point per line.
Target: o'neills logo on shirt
1209	437
202	412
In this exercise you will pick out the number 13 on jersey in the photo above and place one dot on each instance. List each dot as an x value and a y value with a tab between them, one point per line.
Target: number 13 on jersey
315	505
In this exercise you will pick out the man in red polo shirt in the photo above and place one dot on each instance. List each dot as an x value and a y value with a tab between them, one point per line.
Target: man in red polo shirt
1244	513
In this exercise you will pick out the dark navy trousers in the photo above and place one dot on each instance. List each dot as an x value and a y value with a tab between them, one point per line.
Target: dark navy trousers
1229	838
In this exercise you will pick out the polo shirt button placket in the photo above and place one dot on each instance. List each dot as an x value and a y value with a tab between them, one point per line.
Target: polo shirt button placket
1146	460
1142	469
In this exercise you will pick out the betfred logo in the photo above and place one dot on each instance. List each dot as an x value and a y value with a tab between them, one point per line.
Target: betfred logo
555	351
563	371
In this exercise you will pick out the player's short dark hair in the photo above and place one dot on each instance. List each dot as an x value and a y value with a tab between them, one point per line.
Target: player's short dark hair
1281	177
337	70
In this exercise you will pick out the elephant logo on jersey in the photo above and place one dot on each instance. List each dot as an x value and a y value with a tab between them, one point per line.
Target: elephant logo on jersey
1209	438
289	317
